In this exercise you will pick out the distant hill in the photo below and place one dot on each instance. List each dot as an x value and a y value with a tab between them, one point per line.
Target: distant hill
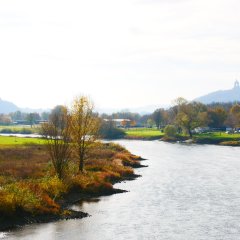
7	107
230	95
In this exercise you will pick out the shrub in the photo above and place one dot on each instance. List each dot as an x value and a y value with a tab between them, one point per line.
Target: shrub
25	131
6	130
170	131
109	131
53	186
17	197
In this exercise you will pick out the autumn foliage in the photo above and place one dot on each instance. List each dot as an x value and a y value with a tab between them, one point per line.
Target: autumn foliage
28	182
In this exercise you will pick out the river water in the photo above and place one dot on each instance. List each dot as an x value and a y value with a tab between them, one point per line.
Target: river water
188	192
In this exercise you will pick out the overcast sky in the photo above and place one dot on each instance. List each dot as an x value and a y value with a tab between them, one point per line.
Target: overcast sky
125	53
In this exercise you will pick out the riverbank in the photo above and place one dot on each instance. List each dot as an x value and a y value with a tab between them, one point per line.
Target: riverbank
216	138
31	193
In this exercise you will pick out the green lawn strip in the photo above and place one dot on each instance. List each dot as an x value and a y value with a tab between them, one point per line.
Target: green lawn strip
208	137
4	140
216	137
144	132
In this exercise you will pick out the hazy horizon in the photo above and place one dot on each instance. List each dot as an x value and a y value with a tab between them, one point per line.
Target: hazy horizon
124	54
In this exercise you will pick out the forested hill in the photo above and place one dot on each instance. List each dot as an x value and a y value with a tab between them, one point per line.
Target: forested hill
230	95
7	107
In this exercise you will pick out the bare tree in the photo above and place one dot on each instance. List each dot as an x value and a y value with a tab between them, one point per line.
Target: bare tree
57	135
157	117
84	128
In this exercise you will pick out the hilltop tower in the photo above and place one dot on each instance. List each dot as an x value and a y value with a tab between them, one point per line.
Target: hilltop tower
236	84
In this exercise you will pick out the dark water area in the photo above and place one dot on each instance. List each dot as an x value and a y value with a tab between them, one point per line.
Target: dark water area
188	192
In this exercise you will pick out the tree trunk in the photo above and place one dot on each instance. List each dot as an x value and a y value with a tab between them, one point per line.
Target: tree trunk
81	163
190	133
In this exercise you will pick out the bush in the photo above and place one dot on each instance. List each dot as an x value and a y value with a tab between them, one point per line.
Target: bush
53	186
17	196
109	131
16	130
25	131
6	130
170	131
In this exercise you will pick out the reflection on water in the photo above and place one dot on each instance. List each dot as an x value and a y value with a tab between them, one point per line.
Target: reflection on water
83	201
187	192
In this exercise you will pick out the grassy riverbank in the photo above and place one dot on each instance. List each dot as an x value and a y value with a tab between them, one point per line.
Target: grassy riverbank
204	138
144	133
221	138
30	191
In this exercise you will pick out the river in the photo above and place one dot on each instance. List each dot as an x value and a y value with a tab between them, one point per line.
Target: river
188	192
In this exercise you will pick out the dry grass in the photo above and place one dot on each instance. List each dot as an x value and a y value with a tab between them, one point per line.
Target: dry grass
28	181
23	161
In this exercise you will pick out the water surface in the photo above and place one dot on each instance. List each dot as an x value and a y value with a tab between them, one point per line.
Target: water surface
188	192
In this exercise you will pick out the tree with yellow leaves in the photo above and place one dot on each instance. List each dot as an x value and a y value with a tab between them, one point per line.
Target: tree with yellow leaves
84	128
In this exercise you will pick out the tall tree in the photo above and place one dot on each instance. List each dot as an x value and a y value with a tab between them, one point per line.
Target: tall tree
158	117
57	136
189	115
217	117
233	118
32	118
84	128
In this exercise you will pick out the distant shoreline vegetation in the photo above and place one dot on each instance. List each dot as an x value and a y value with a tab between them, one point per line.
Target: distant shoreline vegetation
218	138
182	119
217	123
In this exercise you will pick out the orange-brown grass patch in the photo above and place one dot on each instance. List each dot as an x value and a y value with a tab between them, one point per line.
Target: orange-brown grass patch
90	183
99	174
127	158
28	181
23	161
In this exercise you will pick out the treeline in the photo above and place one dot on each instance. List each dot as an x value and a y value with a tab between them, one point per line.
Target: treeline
185	116
23	117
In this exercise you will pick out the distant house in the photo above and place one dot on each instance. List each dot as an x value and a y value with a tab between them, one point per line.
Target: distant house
201	129
120	122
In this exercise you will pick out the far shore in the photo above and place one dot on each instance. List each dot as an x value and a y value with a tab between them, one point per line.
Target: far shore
216	138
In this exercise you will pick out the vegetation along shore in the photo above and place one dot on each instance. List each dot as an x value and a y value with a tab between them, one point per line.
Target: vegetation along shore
218	138
41	178
31	192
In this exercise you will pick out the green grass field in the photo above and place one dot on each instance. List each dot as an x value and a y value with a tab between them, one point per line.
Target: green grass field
144	133
149	133
222	135
217	137
20	129
19	141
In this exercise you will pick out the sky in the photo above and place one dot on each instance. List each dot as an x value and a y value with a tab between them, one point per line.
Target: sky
123	54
